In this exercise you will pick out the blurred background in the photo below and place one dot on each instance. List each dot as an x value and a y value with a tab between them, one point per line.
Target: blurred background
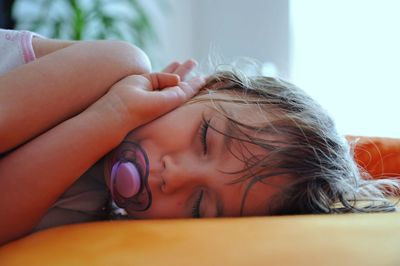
344	53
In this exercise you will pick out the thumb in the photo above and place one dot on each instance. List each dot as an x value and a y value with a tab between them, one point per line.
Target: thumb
162	80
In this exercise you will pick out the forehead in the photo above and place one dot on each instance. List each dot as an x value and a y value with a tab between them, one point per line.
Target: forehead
234	105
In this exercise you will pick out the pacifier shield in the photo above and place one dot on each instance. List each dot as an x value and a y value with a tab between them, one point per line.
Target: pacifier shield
128	178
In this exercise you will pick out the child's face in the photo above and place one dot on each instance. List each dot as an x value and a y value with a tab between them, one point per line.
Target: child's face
180	170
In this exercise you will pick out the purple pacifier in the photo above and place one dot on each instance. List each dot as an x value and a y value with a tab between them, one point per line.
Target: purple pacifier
128	180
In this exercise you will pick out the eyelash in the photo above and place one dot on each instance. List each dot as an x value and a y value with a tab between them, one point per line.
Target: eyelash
196	206
203	135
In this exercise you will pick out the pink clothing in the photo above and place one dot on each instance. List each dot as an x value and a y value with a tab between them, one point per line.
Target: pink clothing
15	49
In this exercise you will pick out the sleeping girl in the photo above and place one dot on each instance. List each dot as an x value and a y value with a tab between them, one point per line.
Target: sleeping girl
88	132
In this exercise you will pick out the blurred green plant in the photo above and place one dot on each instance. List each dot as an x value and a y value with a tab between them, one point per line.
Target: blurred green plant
127	20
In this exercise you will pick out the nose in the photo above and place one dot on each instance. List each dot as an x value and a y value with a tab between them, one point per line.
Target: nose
181	171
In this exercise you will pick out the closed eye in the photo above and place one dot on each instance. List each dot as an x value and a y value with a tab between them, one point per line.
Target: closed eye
203	134
196	206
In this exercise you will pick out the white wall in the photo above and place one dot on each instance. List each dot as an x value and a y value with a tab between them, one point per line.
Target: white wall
176	31
252	28
346	54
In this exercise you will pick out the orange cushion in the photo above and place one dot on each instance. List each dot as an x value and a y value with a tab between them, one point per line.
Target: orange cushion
379	156
354	239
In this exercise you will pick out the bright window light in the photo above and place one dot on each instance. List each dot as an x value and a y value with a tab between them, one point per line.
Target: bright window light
346	54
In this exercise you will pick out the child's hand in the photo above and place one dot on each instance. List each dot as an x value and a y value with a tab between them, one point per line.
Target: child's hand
182	70
138	99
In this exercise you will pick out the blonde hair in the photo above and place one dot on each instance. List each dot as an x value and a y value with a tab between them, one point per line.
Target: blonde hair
300	142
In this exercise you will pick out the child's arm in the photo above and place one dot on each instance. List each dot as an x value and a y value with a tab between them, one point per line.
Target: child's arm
44	47
36	174
47	91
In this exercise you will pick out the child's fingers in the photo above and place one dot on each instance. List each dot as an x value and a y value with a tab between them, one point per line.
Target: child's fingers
171	67
196	82
184	69
172	97
162	80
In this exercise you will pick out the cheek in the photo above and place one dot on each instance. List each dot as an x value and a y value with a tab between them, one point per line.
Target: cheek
262	197
169	131
156	128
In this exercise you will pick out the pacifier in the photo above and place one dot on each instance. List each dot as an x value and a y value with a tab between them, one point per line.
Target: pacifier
129	177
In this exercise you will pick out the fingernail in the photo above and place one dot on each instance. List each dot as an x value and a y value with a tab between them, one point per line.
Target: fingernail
195	62
177	77
192	62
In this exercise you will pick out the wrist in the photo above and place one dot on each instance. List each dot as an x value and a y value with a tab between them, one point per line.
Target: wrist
114	117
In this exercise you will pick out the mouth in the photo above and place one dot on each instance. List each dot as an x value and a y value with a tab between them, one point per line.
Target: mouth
127	178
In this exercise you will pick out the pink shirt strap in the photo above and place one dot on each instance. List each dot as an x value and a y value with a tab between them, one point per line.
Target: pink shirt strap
15	49
27	48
